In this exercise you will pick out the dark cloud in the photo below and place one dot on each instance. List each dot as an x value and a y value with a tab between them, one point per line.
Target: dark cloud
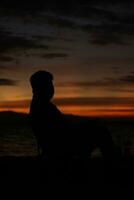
11	45
59	21
128	79
105	22
107	39
109	33
30	9
102	101
121	90
111	24
66	7
54	55
6	58
8	82
86	101
2	66
18	43
51	38
107	82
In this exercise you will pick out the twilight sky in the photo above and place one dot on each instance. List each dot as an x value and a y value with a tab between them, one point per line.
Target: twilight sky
87	45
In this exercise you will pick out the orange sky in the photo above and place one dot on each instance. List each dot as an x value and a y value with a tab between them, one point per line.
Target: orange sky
111	110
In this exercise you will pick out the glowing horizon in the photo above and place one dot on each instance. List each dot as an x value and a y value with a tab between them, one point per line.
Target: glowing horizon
94	109
93	113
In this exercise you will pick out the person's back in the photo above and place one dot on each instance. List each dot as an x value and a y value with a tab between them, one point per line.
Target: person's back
47	120
63	143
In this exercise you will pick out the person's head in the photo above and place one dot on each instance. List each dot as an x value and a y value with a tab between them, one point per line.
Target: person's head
42	84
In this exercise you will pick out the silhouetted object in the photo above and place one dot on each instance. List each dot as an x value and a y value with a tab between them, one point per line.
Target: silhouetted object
64	144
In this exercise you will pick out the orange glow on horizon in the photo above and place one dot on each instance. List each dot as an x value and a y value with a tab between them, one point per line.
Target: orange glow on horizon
95	109
19	110
97	112
79	110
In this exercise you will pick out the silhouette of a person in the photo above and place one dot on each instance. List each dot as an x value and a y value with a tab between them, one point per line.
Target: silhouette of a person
46	118
59	139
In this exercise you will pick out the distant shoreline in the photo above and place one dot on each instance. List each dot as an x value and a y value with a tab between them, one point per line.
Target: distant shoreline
74	115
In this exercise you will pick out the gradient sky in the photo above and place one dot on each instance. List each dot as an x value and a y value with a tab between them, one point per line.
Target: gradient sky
89	48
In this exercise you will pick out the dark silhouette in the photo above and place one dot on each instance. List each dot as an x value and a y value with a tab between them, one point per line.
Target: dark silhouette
64	144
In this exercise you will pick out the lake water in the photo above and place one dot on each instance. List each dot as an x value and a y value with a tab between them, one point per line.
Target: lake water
18	139
18	142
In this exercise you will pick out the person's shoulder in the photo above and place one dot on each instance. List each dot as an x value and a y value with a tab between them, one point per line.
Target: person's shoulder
54	108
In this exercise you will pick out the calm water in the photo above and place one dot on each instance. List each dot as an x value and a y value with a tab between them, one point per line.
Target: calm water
18	139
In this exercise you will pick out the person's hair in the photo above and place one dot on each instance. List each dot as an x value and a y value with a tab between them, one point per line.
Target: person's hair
39	78
41	82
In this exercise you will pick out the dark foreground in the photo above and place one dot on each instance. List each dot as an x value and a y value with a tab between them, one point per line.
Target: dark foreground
32	170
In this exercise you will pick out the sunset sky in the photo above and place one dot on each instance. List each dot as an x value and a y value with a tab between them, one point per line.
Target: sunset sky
87	45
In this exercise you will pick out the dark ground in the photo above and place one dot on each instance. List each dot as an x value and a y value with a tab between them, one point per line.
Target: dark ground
20	165
31	170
